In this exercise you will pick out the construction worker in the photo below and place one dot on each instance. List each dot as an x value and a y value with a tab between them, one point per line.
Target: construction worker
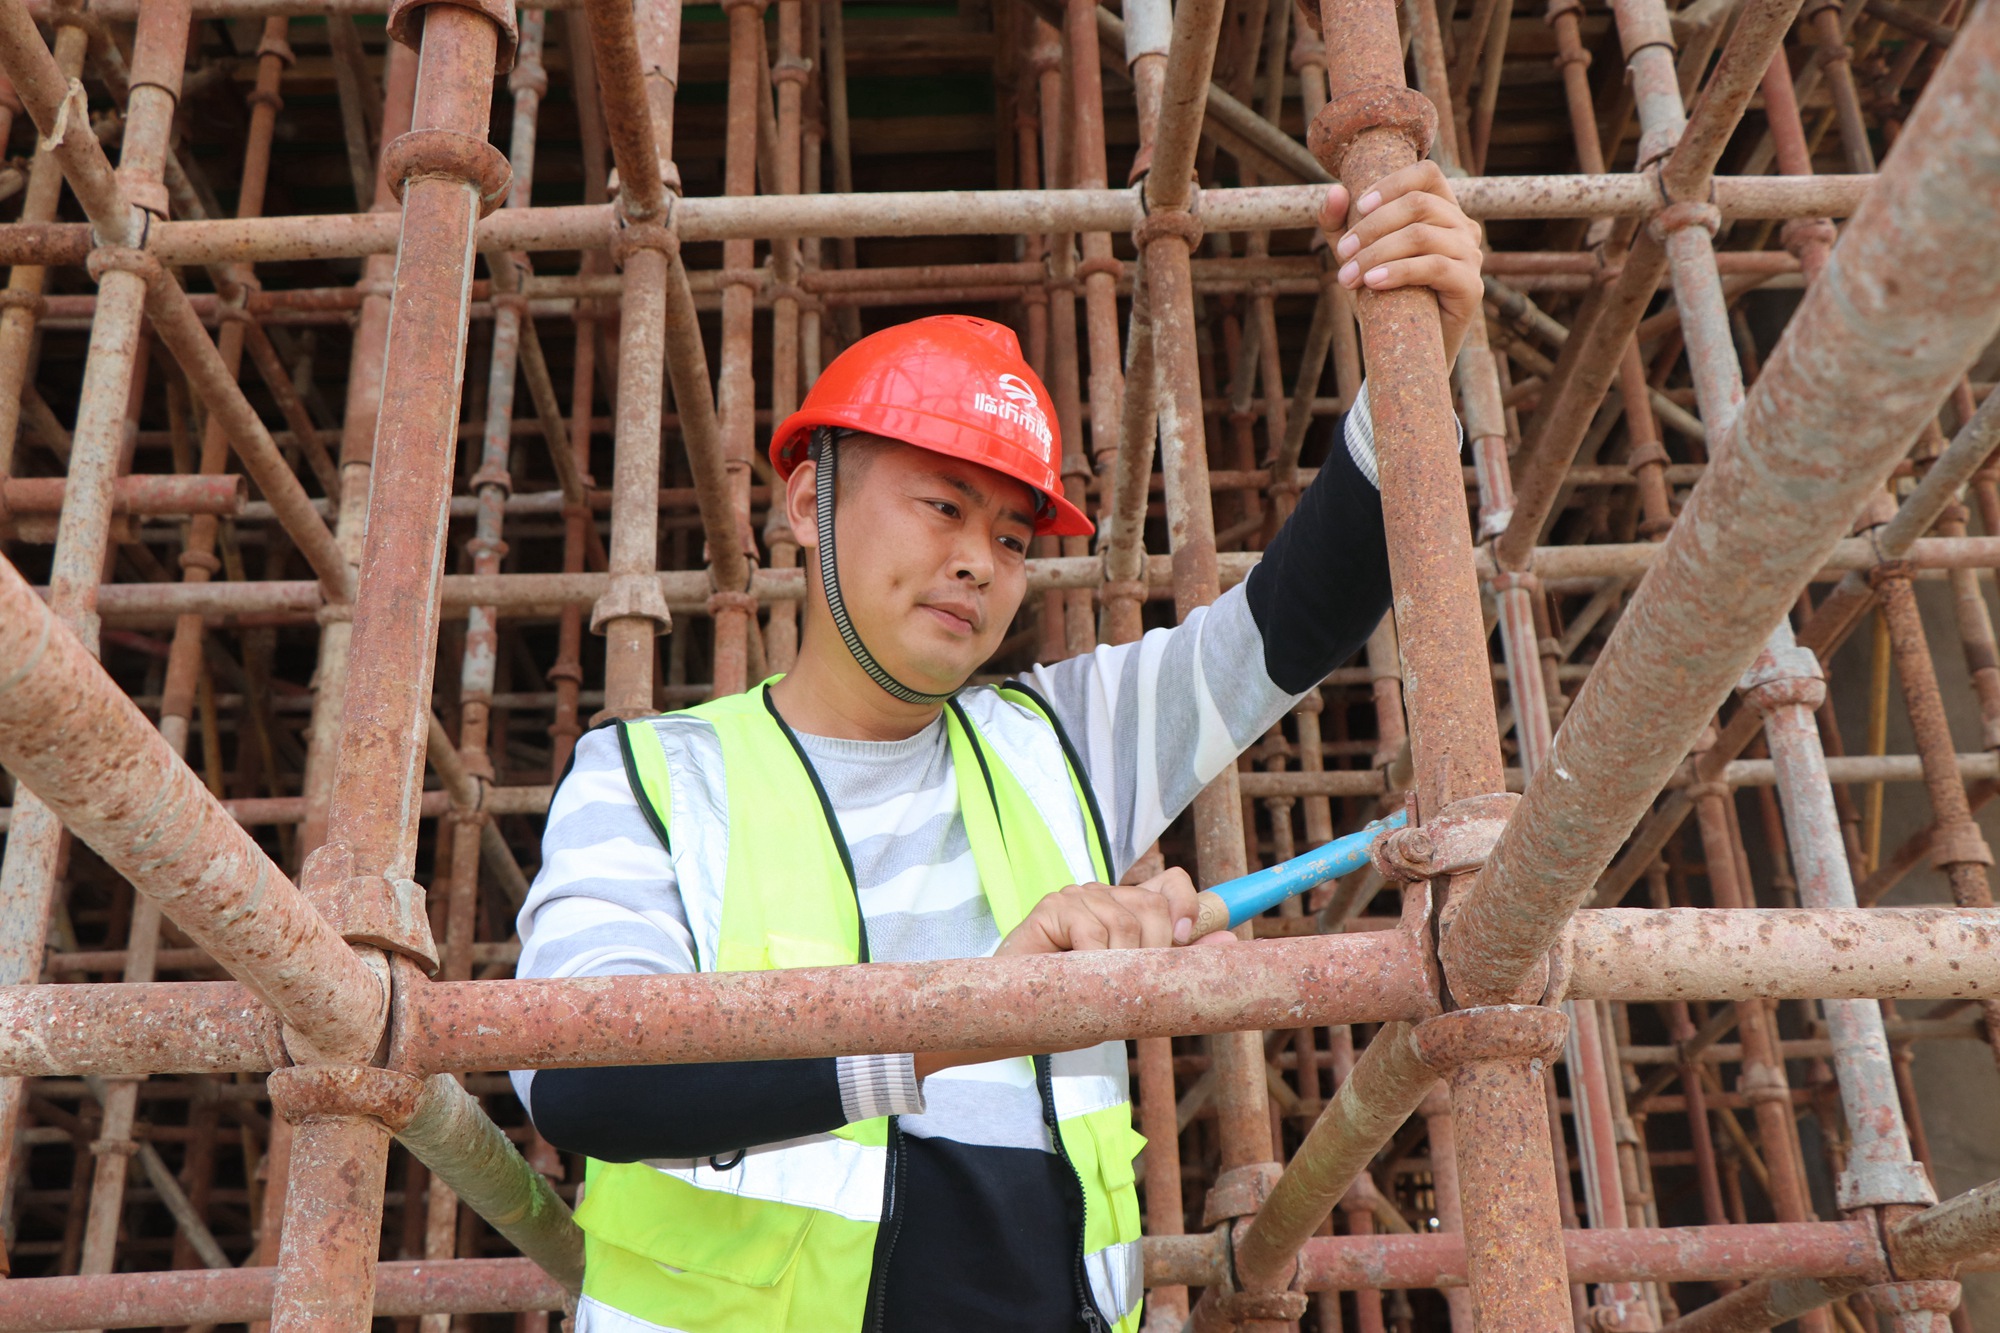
871	806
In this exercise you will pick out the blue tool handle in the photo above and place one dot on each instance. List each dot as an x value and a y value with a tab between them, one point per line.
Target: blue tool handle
1257	893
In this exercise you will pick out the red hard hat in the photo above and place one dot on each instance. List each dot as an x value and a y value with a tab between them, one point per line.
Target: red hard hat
953	384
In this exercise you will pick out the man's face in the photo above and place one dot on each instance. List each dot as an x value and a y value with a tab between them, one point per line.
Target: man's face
932	552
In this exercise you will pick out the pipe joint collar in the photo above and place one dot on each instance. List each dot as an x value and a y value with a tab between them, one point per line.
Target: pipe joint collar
1960	844
305	1093
1456	839
1879	1184
1342	122
406	25
1239	1192
1157	223
1489	1033
630	234
632	596
383	911
1782	678
1907	1298
450	155
123	259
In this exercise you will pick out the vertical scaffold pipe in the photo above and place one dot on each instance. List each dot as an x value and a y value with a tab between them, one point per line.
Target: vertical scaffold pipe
1166	236
1371	126
341	1110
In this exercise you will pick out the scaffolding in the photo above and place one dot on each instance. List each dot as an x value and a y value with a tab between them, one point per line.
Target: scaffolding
284	685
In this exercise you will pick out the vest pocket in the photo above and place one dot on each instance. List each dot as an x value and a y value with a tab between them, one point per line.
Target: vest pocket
1116	1144
749	1241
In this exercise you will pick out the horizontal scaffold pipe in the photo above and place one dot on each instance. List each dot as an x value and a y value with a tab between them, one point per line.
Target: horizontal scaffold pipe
532	799
243	1295
1049	1002
687	591
1691	953
211	241
1329	1263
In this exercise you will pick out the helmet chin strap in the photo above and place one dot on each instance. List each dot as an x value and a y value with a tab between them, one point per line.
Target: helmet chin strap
823	452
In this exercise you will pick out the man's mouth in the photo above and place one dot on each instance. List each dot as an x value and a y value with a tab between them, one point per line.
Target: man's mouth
957	618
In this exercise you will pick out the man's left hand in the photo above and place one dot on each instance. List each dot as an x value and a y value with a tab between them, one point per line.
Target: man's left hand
1408	231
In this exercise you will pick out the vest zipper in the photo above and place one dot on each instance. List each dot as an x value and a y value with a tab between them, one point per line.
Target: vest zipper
891	1228
1086	1304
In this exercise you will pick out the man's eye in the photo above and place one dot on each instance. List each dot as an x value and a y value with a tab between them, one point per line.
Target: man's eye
1015	544
945	507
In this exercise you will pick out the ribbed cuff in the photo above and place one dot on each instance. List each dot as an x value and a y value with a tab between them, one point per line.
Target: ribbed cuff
878	1085
1360	434
1361	437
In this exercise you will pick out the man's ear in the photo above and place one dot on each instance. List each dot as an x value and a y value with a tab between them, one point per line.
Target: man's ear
800	504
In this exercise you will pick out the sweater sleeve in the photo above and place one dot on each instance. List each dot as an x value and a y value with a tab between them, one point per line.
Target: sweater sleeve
1155	720
607	902
1323	584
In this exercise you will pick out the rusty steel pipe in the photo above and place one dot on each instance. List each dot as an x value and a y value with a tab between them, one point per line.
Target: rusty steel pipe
450	1134
357	443
1165	242
1787	687
1387	1085
1127	482
630	613
449	176
1629	955
1056	1002
1858	337
1588	362
56	104
386	716
118	1029
214	380
74	739
1938	1239
920	213
1766	1303
488	1286
1590	1096
1784	1251
1758	34
1367	977
216	1026
628	119
1782	953
492	483
1835	617
1373	125
1493	1060
333	1219
736	395
27	282
146	495
243	1295
160	49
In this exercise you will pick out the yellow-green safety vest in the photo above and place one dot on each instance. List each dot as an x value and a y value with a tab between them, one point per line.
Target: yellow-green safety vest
786	1237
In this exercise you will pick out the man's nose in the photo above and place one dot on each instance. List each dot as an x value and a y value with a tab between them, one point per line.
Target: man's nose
973	561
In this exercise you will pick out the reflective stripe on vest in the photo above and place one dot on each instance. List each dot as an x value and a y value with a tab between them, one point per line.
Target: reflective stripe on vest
784	1237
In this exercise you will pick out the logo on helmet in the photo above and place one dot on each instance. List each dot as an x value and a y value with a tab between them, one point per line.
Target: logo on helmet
1018	403
1017	389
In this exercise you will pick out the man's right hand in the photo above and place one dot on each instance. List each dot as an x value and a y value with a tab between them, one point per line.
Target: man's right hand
1154	914
1150	915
